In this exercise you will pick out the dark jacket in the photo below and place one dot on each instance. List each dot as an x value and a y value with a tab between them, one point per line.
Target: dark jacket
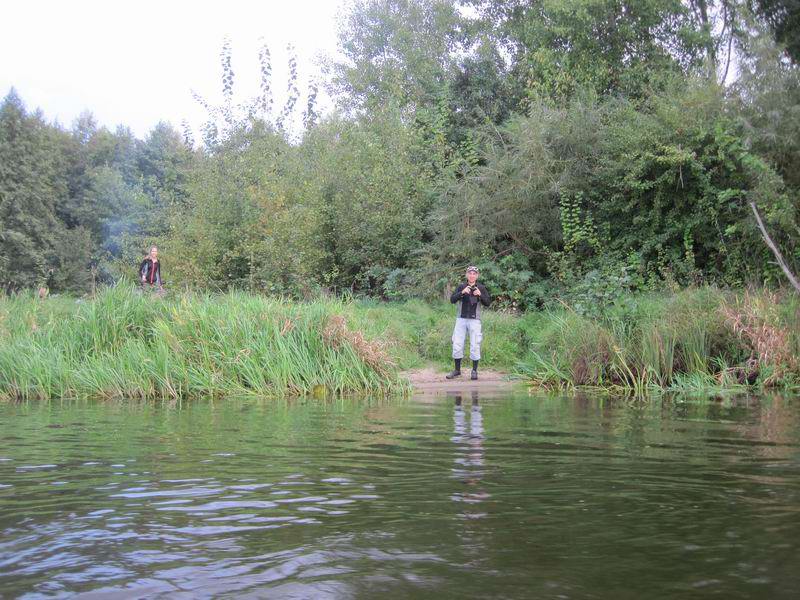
470	304
151	273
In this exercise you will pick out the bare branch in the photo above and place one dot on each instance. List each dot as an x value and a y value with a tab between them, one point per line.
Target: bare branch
774	249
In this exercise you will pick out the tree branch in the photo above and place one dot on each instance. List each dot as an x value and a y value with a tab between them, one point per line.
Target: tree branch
774	249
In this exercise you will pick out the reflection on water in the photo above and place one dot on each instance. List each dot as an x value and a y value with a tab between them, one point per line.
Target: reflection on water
507	496
469	456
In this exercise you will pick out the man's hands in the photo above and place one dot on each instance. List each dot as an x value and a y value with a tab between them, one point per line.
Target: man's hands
466	291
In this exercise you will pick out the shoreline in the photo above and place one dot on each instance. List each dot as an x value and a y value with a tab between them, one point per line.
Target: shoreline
431	382
123	345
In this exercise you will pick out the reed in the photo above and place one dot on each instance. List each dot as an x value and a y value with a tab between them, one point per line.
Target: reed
123	344
700	339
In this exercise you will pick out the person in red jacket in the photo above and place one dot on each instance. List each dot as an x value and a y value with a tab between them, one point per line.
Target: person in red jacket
150	270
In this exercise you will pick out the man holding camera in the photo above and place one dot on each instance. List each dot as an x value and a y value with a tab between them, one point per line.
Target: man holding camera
469	296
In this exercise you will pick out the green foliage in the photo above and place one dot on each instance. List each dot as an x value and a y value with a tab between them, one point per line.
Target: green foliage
578	231
783	17
604	180
251	221
395	51
598	290
654	341
577	151
372	197
127	345
560	46
37	247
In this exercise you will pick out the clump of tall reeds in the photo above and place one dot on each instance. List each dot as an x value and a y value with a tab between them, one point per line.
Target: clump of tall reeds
696	339
373	353
123	345
571	350
768	328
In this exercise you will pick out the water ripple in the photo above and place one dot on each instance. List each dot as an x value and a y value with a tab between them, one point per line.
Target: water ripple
508	497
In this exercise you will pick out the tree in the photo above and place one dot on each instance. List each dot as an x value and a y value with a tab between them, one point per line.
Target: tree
609	46
37	248
396	51
374	197
162	162
783	16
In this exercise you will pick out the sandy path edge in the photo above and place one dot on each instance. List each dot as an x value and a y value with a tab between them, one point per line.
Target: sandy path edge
432	381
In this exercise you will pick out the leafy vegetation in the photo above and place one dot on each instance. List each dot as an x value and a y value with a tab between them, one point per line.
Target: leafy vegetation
555	143
588	155
127	344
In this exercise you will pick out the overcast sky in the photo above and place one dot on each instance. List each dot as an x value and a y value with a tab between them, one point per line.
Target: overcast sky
135	63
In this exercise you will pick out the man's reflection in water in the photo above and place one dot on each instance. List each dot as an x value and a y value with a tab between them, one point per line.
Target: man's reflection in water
469	455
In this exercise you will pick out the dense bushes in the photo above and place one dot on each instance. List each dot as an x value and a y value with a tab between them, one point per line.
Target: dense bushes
575	163
605	186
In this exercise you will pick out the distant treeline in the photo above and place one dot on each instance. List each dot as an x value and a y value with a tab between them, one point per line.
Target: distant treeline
575	150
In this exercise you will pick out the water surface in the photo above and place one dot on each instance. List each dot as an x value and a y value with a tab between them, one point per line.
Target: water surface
506	497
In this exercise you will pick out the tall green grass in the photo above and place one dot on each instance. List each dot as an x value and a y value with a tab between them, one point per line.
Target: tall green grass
688	341
123	344
419	333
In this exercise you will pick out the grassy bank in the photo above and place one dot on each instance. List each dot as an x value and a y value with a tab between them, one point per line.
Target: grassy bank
702	339
123	344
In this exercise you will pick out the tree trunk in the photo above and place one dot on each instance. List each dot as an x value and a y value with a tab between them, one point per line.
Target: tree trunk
774	249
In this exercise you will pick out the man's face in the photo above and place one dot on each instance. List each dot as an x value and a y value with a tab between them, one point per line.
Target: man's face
472	277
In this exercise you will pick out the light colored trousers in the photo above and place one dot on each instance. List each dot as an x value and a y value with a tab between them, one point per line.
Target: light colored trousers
475	336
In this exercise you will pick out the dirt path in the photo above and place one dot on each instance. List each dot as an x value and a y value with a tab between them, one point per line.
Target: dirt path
430	381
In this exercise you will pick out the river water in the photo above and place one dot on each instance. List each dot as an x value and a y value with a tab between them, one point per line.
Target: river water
505	496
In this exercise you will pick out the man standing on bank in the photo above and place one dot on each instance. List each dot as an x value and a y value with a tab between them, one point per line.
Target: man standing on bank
469	296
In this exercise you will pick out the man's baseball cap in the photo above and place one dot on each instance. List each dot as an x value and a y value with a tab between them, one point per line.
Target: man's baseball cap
472	268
